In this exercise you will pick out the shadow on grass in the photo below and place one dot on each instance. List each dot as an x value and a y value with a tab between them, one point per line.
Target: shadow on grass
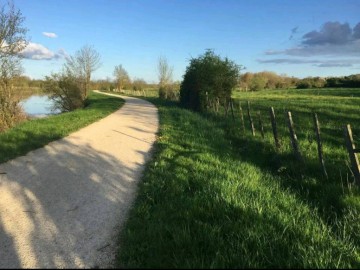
305	179
196	210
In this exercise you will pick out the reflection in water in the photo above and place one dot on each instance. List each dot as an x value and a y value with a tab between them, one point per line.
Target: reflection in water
38	106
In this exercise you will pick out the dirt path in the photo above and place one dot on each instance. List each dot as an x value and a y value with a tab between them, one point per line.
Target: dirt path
63	205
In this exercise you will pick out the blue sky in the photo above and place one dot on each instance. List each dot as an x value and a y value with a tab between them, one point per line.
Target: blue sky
299	38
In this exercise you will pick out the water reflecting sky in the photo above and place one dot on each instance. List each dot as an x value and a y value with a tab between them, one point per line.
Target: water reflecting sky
38	106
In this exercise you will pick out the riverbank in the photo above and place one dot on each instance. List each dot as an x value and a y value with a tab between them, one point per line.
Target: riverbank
36	133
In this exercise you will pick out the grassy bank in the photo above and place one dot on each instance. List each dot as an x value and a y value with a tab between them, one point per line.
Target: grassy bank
36	133
213	197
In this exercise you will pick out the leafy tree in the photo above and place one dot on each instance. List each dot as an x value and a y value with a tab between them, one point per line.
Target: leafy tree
207	78
311	82
121	77
258	82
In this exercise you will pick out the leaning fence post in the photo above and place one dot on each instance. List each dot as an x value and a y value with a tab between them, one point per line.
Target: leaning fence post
293	137
242	117
261	125
250	119
319	144
274	128
350	145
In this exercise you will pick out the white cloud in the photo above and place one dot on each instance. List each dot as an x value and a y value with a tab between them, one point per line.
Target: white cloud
50	35
36	51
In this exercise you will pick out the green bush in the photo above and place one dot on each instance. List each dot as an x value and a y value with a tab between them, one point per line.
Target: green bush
168	92
208	78
65	91
11	112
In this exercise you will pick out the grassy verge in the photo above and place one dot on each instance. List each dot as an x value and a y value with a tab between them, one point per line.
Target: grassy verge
36	133
213	198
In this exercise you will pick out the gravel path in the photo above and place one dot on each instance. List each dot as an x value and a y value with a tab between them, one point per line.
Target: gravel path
63	205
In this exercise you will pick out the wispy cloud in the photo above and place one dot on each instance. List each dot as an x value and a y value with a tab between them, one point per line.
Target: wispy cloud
334	40
293	32
36	51
49	35
317	63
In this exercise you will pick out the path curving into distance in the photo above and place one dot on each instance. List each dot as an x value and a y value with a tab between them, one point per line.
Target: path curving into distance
62	206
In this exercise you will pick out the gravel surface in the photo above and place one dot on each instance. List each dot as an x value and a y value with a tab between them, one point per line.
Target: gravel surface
62	206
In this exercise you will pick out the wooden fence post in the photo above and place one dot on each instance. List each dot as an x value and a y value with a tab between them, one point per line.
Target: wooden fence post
207	101
319	144
261	125
232	109
242	117
274	128
350	145
217	104
293	137
250	119
226	107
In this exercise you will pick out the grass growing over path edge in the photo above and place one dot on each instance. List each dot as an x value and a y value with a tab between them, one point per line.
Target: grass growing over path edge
202	205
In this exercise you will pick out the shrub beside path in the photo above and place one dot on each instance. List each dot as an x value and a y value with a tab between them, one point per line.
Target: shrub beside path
62	206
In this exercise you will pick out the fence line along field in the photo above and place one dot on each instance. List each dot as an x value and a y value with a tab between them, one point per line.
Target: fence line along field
335	108
240	199
308	139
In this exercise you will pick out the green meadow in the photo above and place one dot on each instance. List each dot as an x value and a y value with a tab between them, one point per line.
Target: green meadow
216	197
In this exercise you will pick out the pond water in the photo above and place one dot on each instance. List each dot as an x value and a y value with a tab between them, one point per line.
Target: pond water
38	106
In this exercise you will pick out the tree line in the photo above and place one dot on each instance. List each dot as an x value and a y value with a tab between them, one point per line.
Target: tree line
208	80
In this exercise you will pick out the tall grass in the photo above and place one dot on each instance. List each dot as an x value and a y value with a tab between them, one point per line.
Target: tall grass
215	198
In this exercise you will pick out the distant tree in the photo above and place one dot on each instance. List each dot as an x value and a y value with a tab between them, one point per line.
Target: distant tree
121	77
12	41
245	80
82	65
258	82
165	73
138	84
208	77
265	80
311	82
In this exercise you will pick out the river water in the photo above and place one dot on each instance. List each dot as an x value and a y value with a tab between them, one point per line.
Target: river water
38	106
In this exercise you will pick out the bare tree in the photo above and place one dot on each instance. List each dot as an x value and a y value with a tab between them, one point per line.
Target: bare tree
165	72
82	65
121	76
12	33
12	41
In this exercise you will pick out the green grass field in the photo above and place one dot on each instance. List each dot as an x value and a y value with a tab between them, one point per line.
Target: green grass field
36	133
213	197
